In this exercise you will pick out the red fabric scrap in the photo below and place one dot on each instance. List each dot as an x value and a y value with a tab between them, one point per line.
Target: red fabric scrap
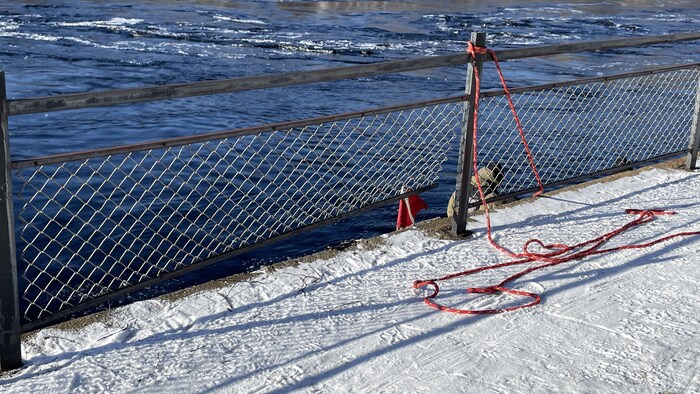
408	208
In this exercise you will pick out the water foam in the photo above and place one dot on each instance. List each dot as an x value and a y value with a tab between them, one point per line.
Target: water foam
108	23
238	20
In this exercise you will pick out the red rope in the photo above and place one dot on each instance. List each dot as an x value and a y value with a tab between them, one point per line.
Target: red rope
554	253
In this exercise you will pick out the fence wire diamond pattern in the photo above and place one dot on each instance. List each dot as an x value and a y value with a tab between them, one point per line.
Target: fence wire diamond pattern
585	128
88	228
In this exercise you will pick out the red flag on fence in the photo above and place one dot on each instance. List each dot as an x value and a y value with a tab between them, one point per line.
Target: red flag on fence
408	208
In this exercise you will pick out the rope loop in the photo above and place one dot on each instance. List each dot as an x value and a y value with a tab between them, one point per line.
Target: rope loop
422	283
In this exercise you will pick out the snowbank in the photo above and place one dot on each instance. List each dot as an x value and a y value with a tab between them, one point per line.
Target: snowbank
622	322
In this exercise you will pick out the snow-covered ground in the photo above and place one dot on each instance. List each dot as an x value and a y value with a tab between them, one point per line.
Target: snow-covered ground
622	322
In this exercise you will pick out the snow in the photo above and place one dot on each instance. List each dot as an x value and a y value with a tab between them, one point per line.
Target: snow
622	322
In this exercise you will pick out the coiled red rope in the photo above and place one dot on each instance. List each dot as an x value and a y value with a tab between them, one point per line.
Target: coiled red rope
552	254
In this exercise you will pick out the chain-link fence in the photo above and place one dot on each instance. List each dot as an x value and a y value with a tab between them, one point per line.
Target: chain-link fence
90	227
583	128
95	224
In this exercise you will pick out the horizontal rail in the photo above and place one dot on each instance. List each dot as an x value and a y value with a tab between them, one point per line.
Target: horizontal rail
173	142
596	45
173	91
37	324
167	92
580	81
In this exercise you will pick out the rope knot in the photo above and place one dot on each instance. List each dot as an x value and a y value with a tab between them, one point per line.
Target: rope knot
476	50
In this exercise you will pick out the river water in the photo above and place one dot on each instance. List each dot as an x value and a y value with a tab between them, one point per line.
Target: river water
51	47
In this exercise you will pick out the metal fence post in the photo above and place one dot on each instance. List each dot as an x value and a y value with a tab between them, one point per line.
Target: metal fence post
10	329
691	162
463	188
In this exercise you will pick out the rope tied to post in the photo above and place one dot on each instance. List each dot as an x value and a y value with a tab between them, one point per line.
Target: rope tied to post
474	50
534	250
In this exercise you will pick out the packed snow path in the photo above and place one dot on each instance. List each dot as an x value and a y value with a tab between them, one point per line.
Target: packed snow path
621	322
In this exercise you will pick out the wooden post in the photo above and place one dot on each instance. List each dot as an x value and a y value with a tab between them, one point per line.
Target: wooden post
463	188
10	329
691	162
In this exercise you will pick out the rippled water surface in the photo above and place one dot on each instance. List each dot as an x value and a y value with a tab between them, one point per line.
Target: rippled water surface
49	48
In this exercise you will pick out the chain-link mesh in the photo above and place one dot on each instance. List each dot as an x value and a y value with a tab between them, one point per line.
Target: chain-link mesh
90	227
582	129
87	228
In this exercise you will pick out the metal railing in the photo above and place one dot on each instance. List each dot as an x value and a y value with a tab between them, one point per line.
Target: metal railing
92	223
91	226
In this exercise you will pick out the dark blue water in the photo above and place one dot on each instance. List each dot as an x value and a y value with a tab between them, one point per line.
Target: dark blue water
49	48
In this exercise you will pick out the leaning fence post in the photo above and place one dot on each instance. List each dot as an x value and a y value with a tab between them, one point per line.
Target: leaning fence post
10	330
694	133
463	188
